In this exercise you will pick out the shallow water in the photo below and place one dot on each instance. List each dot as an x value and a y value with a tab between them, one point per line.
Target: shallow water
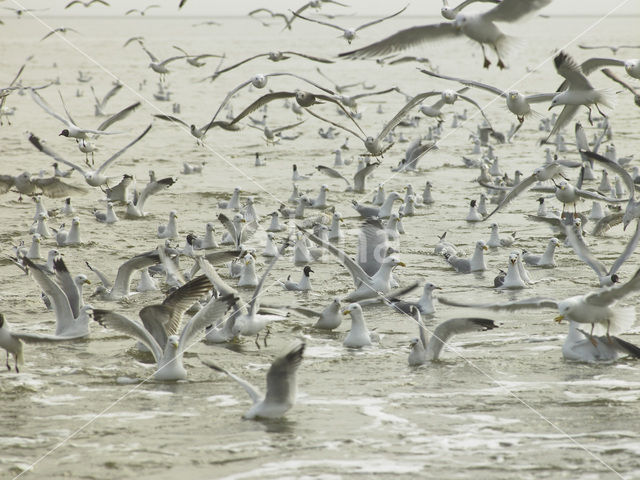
500	404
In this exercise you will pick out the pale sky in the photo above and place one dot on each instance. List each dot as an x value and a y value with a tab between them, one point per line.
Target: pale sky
218	8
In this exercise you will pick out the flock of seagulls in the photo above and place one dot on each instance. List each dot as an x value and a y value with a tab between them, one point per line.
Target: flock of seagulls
202	292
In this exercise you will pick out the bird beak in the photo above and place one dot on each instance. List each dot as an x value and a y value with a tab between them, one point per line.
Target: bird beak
559	318
346	312
402	264
87	281
485	248
437	288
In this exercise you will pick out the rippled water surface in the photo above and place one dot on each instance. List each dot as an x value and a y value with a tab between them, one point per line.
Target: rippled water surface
500	404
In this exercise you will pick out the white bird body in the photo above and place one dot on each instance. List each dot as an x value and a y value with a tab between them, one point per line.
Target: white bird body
359	336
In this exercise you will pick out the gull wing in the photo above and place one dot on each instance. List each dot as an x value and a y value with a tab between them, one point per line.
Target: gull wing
593	64
227	98
263	100
61	307
373	22
312	113
332	172
155	319
254	303
210	314
309	57
327	24
44	148
113	158
123	277
628	250
598	196
615	166
357	273
403	111
470	83
361	175
45	106
68	285
582	251
567	113
540	97
606	223
475	104
181	299
515	191
151	55
172	59
404	39
110	95
455	326
6	182
152	188
116	117
533	303
107	318
310	82
235	65
287	127
214	278
513	10
567	67
103	278
55	188
281	378
231	228
613	77
254	393
171	118
606	296
372	246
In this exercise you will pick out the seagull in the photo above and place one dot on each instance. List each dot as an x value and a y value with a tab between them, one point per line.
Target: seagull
199	133
580	92
86	4
374	145
143	11
634	92
11	343
614	49
135	207
465	265
281	386
316	4
358	336
22	11
272	135
101	104
120	288
423	351
579	346
72	317
479	27
59	30
545	260
350	33
72	129
450	13
168	349
159	66
597	307
424	303
304	285
26	184
94	178
517	103
194	60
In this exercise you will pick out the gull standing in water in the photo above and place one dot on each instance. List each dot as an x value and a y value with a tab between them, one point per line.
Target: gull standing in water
11	343
281	385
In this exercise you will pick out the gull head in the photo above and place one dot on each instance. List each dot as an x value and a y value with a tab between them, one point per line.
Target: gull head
481	245
449	96
448	13
555	101
259	81
349	34
460	20
173	341
394	261
305	99
64	133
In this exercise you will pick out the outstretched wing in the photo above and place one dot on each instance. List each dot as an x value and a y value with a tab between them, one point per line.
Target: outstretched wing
254	393
281	378
455	326
107	318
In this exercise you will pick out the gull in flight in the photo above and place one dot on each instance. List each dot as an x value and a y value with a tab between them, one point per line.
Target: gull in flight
59	30
159	66
350	33
597	307
143	11
281	385
86	4
480	27
199	133
160	324
316	4
195	59
450	13
95	178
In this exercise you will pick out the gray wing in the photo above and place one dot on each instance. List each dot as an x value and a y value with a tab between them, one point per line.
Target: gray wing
474	103
592	64
210	314
287	127
582	251
356	271
404	39
533	303
55	188
310	82
263	100
606	296
513	10
116	117
110	95
155	318
598	196
68	285
403	111
611	75
455	326
113	157
361	175
470	83
123	277
515	191
373	22
236	65
628	250
615	166
107	318
44	148
171	118
228	224
281	378
312	113
254	393
152	188
567	67
567	113
181	299
309	57
214	278
607	222
103	278
372	246
327	24
45	106
6	182
540	97
254	303
228	97
61	307
332	172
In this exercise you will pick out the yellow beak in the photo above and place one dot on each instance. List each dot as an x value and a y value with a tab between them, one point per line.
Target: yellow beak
402	264
559	318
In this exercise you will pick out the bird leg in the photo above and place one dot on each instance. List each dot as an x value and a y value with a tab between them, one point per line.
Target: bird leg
264	340
597	106
500	64
9	366
484	54
590	121
256	341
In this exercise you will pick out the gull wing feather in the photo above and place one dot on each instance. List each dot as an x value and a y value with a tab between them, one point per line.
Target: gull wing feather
373	22
470	83
155	319
475	104
361	175
332	172
615	166
281	378
513	10
56	188
214	278
103	278
628	250
287	127
44	148
315	20
113	158
567	67
110	94
309	57
123	277
515	191
524	304
254	393
582	251
107	318
45	106
152	188
592	64
263	100
181	299
567	113
68	285
210	314
372	246
116	117
455	326
312	113
404	39
310	82
403	111
606	296
171	118
254	303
